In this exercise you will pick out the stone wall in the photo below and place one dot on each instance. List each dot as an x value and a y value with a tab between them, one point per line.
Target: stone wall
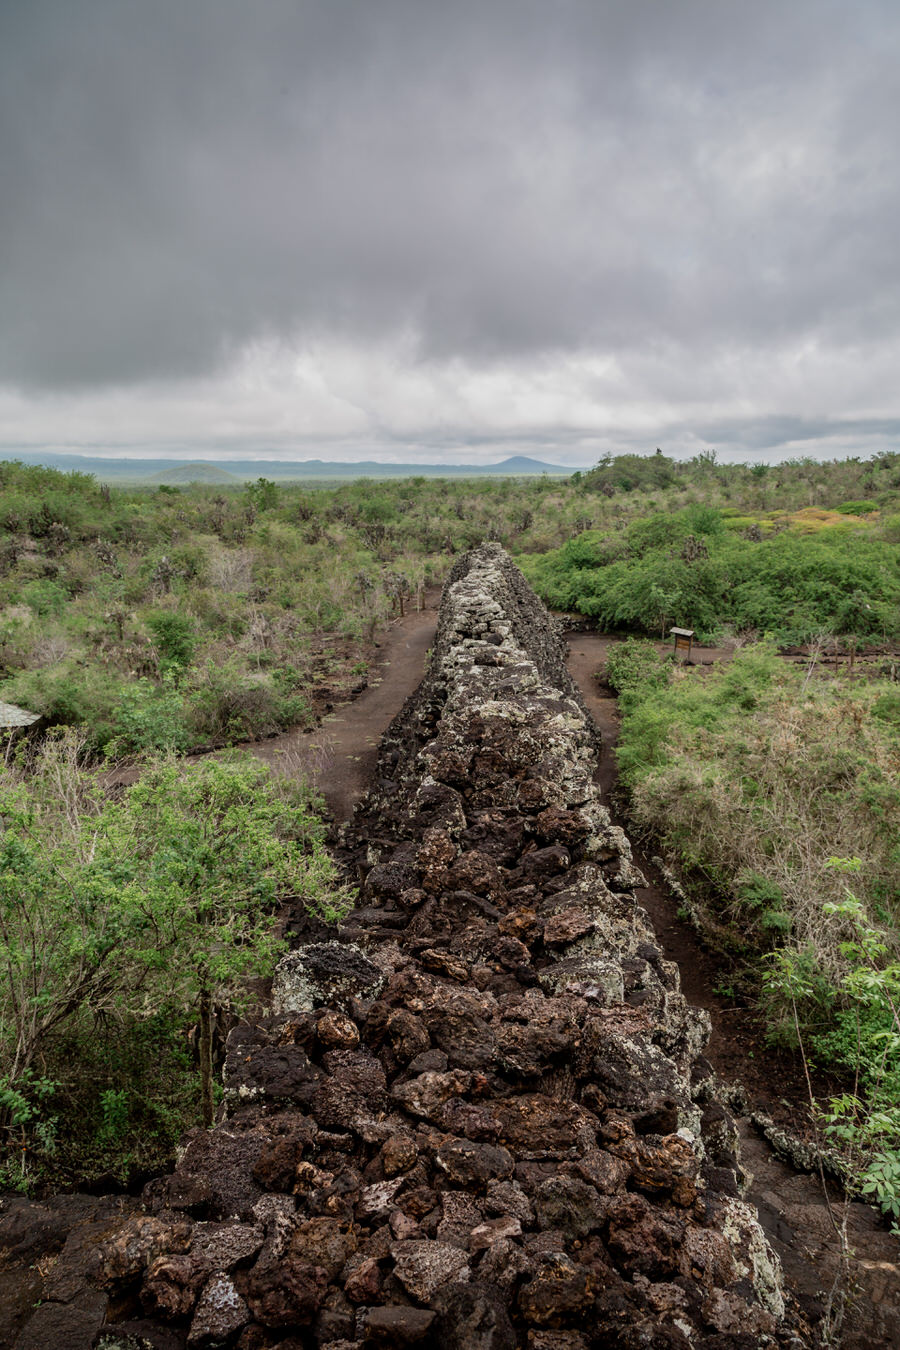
479	1115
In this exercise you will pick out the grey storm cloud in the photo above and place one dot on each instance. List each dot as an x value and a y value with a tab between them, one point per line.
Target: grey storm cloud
659	182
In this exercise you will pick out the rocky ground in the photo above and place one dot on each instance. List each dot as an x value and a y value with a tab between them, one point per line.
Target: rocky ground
480	1114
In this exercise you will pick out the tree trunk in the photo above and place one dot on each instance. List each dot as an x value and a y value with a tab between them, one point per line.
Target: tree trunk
206	1071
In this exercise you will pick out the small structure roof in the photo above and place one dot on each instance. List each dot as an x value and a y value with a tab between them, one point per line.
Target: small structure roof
682	632
11	716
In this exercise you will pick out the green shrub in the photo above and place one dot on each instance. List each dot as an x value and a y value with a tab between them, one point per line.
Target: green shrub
45	598
635	667
174	636
115	907
147	717
687	568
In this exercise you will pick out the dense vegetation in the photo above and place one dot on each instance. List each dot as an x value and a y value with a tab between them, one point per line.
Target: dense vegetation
172	618
123	918
782	787
795	575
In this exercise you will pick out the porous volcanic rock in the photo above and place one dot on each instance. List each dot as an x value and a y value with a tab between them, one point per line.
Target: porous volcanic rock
469	1120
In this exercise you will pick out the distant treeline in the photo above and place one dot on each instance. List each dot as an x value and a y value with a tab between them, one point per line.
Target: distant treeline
176	616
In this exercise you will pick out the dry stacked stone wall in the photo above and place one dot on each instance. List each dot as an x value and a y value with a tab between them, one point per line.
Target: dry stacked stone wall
479	1116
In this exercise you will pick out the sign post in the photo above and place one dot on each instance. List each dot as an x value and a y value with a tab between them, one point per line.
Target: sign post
684	641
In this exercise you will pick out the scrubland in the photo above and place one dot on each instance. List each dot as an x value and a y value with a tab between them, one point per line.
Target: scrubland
148	622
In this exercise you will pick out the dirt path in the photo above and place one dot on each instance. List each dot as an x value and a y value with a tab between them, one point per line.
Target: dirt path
791	1204
339	755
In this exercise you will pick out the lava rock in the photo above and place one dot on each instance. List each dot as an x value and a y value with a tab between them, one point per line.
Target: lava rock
422	1267
220	1314
467	1163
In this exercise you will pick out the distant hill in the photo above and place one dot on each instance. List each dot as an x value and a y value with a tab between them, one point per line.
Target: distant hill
195	473
175	471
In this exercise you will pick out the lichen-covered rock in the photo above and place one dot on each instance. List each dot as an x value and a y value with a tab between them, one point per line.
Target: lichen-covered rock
422	1267
220	1314
469	1123
323	973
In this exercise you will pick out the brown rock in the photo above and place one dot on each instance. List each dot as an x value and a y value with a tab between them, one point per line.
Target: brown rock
257	1069
476	871
510	953
221	1313
457	1029
225	1159
355	1091
407	1035
126	1254
504	1264
412	898
376	1201
419	1202
424	1095
172	1285
276	1166
559	1292
529	1050
603	1170
507	1198
641	1239
556	1340
569	1206
434	856
445	963
336	1030
731	1315
494	1230
557	826
396	1327
567	926
467	1163
324	1242
460	1216
543	863
221	1246
422	1267
666	1167
522	924
403	1225
469	1119
63	1326
287	1294
363	1283
398	1154
472	1316
535	1124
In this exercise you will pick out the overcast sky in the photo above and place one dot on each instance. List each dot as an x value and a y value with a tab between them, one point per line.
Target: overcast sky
442	230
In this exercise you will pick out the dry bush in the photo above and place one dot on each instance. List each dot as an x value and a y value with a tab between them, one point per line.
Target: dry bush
230	569
804	775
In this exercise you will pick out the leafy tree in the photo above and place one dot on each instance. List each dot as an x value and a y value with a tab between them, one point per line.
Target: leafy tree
165	896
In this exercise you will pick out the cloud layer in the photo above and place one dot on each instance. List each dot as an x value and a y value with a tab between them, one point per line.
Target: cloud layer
415	230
